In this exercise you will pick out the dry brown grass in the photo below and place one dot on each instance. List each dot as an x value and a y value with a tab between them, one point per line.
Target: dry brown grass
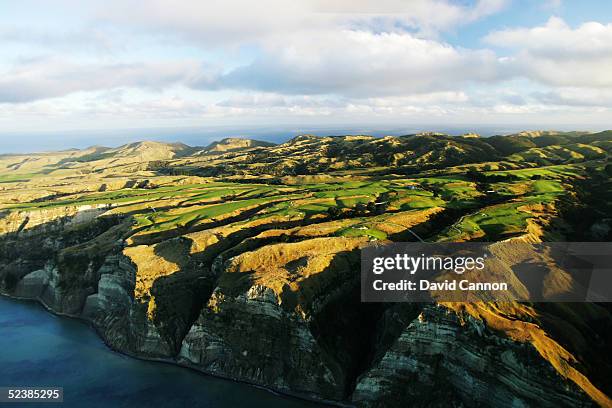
507	318
519	188
286	267
401	221
149	267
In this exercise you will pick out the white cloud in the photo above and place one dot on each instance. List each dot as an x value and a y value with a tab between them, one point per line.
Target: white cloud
90	39
219	23
255	101
275	59
301	47
427	17
575	97
559	55
556	39
209	24
41	78
362	63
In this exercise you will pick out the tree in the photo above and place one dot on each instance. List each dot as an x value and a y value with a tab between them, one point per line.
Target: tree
371	207
301	168
360	209
333	212
473	174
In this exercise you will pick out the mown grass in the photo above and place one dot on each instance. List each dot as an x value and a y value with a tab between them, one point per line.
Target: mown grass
353	189
353	201
132	195
197	203
420	202
547	186
19	177
316	208
362	232
490	223
167	220
551	172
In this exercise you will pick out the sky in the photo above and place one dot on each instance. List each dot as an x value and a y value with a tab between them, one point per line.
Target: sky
75	73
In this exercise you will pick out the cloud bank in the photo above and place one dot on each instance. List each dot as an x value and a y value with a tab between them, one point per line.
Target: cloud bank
215	61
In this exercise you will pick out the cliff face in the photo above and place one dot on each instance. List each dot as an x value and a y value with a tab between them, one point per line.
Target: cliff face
227	340
43	255
440	356
285	315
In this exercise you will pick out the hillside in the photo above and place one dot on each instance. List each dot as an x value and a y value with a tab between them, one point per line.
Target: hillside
241	259
233	145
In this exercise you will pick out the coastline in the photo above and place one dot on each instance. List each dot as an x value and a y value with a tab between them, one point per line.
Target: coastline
170	361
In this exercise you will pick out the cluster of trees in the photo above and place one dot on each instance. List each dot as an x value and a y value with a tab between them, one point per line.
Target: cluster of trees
163	168
436	190
154	165
360	210
480	177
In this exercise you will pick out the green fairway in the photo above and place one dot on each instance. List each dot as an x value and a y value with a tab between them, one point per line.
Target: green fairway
361	231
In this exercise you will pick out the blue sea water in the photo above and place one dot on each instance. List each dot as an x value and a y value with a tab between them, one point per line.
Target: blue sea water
38	348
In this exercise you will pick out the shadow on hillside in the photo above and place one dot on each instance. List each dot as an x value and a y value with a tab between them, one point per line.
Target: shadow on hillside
584	329
344	327
77	250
